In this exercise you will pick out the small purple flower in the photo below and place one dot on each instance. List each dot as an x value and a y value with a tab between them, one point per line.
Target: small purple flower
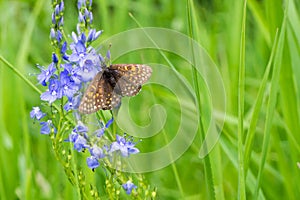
80	128
100	131
93	35
53	18
80	18
92	162
72	137
56	10
36	113
52	33
73	103
63	50
46	74
61	6
81	3
128	187
90	17
87	60
78	51
68	86
97	152
80	143
54	58
53	92
73	73
125	147
61	21
59	36
46	127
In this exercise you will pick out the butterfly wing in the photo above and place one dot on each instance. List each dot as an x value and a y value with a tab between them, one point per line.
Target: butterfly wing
107	87
129	78
99	96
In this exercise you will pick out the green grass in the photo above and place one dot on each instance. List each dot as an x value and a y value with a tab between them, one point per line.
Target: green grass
257	51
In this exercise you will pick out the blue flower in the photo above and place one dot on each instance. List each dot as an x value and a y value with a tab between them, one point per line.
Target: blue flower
46	74
90	65
80	128
52	32
36	113
73	73
68	86
100	131
59	36
125	147
78	52
128	187
72	103
46	127
53	19
96	154
87	60
61	6
54	58
92	162
81	18
63	51
81	3
93	35
80	143
53	92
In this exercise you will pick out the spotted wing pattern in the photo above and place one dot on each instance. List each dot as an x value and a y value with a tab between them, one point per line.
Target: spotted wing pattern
98	96
107	87
130	78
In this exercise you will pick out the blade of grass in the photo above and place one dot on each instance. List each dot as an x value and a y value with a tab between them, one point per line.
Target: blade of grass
174	168
258	14
230	149
241	101
271	102
21	61
257	107
18	73
209	179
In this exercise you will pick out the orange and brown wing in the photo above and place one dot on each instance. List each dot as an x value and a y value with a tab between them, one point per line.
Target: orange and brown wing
98	96
129	78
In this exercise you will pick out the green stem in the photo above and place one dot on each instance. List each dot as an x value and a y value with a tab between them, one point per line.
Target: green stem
16	71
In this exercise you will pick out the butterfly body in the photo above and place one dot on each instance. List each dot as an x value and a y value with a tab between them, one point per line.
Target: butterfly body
112	83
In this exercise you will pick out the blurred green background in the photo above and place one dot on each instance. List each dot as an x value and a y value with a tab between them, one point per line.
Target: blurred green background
259	146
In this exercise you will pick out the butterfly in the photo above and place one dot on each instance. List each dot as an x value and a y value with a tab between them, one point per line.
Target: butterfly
111	84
